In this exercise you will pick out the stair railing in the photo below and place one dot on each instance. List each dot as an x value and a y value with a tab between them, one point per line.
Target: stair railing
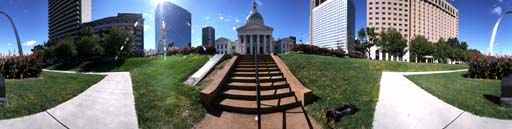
258	102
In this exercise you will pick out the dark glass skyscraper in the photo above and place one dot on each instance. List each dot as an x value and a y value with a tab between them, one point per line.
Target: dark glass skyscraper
177	26
208	36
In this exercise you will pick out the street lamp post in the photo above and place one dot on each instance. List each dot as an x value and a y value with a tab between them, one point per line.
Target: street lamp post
20	49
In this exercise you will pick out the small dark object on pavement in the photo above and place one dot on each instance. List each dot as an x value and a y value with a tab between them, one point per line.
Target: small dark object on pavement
333	116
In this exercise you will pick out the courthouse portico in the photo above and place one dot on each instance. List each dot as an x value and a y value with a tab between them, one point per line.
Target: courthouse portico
255	35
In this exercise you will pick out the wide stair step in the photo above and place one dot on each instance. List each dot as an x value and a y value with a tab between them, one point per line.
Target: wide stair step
264	94
261	74
252	86
254	69
266	106
261	79
239	93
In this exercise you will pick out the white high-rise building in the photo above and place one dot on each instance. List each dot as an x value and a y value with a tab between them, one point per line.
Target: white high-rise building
332	24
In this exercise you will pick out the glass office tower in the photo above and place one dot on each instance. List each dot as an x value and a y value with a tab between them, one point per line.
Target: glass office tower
178	26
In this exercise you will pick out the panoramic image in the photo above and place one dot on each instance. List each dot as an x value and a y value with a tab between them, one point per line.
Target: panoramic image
255	64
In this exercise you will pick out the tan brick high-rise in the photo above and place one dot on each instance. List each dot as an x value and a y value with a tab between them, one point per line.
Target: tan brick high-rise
433	19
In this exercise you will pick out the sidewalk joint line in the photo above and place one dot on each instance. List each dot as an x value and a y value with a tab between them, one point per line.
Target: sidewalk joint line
454	120
57	120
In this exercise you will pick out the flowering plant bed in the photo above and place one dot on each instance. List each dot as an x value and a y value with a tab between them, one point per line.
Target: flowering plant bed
490	67
20	67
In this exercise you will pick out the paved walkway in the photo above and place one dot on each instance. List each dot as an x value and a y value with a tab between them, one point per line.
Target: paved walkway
404	105
289	119
109	104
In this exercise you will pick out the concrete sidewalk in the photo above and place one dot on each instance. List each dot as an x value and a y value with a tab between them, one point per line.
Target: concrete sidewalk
404	105
109	104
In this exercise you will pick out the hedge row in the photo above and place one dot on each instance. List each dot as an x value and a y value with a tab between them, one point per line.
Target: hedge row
312	49
490	67
195	50
20	67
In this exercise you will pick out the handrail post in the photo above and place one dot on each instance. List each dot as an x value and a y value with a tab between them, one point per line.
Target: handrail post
257	88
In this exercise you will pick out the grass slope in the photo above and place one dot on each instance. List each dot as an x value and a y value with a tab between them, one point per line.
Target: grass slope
28	97
480	97
161	98
339	81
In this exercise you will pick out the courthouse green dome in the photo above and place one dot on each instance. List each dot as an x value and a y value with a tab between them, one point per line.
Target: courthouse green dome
254	16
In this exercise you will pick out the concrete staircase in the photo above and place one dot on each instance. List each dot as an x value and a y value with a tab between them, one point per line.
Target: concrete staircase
238	94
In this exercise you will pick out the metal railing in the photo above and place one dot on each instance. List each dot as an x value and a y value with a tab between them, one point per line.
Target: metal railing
258	102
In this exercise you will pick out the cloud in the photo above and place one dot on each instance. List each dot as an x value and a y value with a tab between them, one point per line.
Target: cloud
234	28
221	18
259	2
236	20
501	1
29	43
147	16
207	18
8	44
147	27
497	10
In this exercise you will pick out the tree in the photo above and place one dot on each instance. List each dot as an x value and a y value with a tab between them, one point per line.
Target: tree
421	47
37	48
392	42
367	38
89	46
115	39
441	50
65	49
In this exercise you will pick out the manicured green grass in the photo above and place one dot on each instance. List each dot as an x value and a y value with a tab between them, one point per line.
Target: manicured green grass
32	96
480	97
161	98
339	81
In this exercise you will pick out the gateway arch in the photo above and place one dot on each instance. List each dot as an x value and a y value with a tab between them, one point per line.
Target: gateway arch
491	45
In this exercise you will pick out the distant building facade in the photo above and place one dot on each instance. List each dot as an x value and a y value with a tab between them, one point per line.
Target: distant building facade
283	45
129	21
433	19
208	36
254	37
332	24
225	46
176	28
65	17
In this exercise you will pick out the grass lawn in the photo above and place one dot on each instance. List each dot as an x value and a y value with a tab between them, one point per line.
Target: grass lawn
339	81
32	96
480	97
161	98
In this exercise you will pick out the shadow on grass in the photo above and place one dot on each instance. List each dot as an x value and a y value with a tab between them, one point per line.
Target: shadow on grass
493	99
66	66
106	65
98	65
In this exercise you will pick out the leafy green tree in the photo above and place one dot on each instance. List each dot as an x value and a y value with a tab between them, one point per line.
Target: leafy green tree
65	49
115	39
367	38
441	50
89	44
420	47
38	48
392	42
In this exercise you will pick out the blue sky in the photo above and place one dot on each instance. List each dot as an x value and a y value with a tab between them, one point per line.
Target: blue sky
288	17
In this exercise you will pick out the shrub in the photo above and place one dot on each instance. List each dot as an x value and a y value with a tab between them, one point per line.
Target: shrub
193	50
312	49
19	67
490	67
